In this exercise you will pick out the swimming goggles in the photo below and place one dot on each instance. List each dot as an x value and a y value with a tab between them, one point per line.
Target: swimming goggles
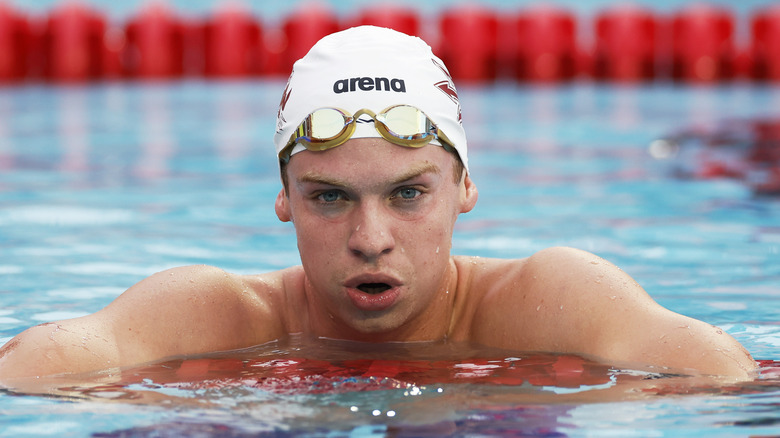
327	128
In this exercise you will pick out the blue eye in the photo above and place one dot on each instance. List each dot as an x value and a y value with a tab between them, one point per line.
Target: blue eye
330	196
409	193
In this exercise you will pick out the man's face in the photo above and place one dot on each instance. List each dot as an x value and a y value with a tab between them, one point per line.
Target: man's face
374	223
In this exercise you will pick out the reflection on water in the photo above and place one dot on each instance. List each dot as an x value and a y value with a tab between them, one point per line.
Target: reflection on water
744	150
156	140
306	385
73	129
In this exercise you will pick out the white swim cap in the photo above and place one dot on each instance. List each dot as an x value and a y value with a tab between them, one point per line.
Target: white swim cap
374	68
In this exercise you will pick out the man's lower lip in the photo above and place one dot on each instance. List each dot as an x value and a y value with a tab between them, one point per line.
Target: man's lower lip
373	302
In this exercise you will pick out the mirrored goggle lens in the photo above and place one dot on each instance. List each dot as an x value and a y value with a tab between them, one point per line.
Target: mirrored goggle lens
326	124
406	122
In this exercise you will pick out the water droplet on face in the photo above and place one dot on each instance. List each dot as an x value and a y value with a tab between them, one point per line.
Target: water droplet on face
357	228
538	307
437	250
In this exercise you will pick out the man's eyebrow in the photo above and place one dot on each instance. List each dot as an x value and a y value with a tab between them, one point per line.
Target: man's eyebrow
311	177
418	170
315	178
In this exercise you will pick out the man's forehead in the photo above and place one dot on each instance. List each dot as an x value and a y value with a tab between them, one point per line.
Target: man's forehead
342	177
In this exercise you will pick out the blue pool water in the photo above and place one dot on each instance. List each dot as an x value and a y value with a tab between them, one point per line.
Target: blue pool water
103	185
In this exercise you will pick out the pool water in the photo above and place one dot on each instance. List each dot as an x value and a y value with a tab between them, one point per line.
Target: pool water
105	184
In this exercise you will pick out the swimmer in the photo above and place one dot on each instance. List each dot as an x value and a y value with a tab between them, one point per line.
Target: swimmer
374	171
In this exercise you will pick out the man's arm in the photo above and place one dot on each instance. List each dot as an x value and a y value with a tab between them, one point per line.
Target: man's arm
182	311
571	301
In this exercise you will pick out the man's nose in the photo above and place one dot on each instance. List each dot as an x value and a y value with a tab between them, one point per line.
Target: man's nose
371	236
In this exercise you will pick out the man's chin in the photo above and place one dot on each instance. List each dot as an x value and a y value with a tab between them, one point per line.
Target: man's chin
377	328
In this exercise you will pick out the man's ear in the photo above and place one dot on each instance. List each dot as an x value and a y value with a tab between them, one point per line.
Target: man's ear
282	207
468	195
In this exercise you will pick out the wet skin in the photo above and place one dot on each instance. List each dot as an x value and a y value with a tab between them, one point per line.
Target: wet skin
374	223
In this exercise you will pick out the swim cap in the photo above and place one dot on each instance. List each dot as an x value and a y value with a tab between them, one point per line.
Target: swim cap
374	68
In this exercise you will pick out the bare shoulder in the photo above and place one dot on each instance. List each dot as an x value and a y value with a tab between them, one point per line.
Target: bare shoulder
181	311
572	301
196	309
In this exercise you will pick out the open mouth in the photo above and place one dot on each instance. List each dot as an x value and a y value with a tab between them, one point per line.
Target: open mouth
373	288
